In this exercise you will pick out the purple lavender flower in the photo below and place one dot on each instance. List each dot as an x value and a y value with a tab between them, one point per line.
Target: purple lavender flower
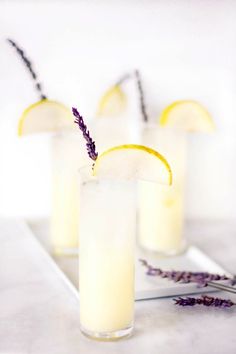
141	96
91	148
123	79
204	300
29	67
201	278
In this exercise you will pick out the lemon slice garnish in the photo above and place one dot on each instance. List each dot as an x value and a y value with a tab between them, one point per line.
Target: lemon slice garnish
188	115
129	162
112	103
45	116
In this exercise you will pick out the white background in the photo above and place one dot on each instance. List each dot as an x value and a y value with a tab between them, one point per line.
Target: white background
184	49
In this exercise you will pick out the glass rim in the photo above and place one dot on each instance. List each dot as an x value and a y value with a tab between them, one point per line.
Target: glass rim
83	173
85	176
157	125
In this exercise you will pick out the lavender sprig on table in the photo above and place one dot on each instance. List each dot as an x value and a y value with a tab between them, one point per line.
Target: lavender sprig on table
204	300
141	96
91	148
29	67
201	278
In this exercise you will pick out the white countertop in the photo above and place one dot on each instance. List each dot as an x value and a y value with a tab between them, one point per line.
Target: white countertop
39	314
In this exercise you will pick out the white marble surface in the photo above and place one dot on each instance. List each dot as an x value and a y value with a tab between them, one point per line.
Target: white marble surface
40	315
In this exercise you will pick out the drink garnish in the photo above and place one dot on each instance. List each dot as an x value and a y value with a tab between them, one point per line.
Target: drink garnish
114	100
126	162
187	115
91	148
44	115
29	67
141	96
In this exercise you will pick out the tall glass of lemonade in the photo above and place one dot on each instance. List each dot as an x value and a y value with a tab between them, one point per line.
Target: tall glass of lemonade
107	231
160	207
67	158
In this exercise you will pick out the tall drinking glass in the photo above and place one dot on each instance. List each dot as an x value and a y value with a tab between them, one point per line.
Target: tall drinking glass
67	158
106	259
161	208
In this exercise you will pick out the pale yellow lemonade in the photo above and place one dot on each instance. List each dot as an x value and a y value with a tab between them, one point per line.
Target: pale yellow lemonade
106	266
161	207
67	158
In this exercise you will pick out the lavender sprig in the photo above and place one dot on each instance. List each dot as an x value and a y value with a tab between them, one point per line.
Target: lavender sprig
204	300
201	278
123	79
91	148
29	67
141	96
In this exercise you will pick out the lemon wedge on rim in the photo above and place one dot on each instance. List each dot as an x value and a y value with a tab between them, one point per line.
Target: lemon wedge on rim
112	103
45	116
188	115
131	161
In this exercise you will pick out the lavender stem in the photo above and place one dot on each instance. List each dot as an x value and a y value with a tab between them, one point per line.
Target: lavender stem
123	79
91	148
29	67
204	300
201	278
141	96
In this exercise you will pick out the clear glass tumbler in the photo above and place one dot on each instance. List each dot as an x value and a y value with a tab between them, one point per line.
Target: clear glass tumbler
161	208
67	157
106	259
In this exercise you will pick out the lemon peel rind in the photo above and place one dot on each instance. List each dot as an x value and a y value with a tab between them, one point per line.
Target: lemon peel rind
32	106
138	147
164	118
107	95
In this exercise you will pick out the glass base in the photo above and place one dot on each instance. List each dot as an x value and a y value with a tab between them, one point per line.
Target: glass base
167	253
65	251
108	336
